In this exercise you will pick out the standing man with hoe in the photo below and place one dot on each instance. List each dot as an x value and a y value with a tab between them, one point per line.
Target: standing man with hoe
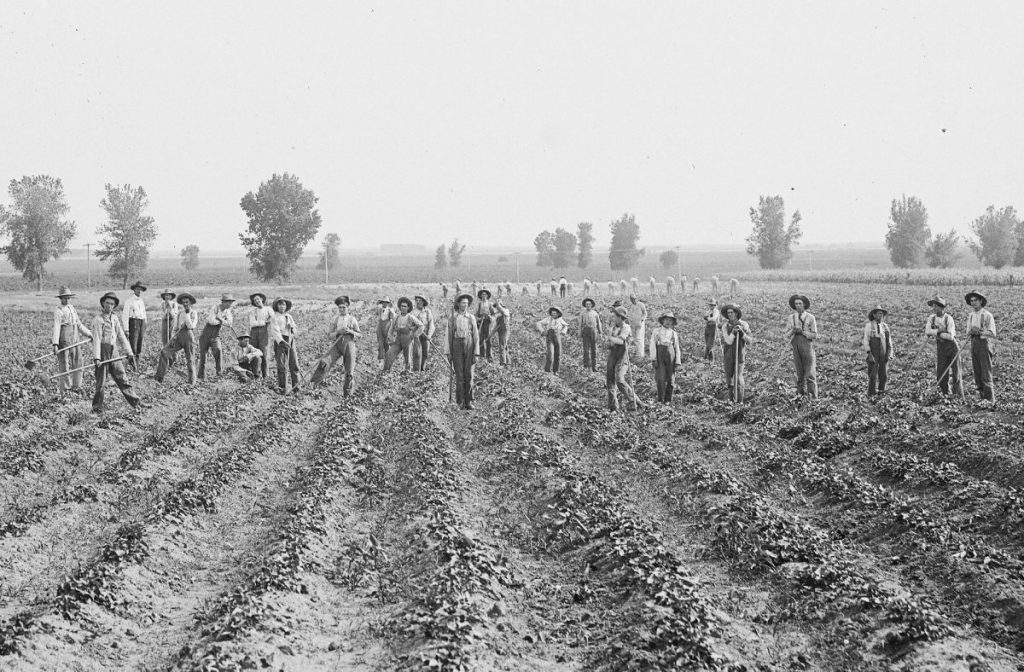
217	317
343	331
133	319
462	346
109	346
735	339
982	328
617	367
66	329
184	339
259	329
947	353
590	328
802	332
877	345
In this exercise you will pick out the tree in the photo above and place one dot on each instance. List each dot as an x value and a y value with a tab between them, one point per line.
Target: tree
190	257
545	245
771	241
565	248
127	234
624	254
455	253
585	238
669	259
282	221
329	256
36	225
908	232
440	257
941	251
997	236
1018	258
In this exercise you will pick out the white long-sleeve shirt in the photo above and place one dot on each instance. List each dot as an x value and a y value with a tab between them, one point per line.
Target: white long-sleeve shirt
67	315
982	320
260	317
558	324
109	330
666	337
340	322
281	325
188	321
806	322
215	316
941	327
135	307
729	332
874	329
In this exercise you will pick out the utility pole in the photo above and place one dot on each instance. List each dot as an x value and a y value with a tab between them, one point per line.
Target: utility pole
517	266
88	266
679	266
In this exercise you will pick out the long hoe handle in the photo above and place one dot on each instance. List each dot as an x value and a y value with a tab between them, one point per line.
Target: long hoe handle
54	354
83	368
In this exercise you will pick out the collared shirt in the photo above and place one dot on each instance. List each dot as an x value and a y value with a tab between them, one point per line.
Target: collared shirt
562	281
558	324
281	325
134	307
590	318
729	332
983	320
169	308
426	316
215	316
554	284
805	322
464	325
664	337
109	330
407	321
344	322
875	330
260	317
637	314
247	353
483	309
188	321
670	280
624	332
937	324
67	316
385	313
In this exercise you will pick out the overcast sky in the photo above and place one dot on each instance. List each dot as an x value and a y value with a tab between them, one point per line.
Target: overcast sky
420	121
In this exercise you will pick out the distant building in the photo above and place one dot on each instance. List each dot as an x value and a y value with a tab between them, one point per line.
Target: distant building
401	248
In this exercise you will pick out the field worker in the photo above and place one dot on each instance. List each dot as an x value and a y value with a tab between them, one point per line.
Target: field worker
282	333
714	285
877	344
982	328
444	290
538	287
617	368
652	283
802	332
502	322
421	346
735	339
462	346
385	316
483	315
405	329
133	319
682	285
568	287
634	282
259	328
499	290
623	287
670	284
947	360
734	287
458	285
184	339
586	287
638	323
611	288
473	286
209	338
696	284
525	292
168	310
68	330
110	342
508	288
247	360
342	332
711	319
562	286
666	355
553	285
552	328
590	328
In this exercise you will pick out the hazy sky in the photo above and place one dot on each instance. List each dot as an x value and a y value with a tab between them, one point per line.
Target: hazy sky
419	121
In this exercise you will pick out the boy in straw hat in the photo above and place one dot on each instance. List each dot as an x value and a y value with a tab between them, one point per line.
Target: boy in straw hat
421	345
590	328
502	317
168	312
552	328
405	330
735	339
617	367
66	330
947	361
385	315
802	331
877	344
666	354
133	319
342	331
247	358
259	328
184	339
711	319
110	342
209	339
982	328
282	333
484	312
462	346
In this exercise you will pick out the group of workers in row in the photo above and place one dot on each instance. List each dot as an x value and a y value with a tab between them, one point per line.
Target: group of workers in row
563	288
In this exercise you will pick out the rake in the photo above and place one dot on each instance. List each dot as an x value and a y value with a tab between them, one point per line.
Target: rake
31	364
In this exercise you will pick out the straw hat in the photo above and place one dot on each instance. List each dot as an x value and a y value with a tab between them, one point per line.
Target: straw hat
281	299
263	297
460	297
555	309
110	295
621	312
168	295
421	298
590	301
64	291
384	299
138	285
712	302
243	337
730	306
405	300
792	301
878	309
978	295
668	315
937	301
186	295
227	298
480	294
342	300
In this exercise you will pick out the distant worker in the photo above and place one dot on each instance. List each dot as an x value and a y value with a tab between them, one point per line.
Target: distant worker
670	284
554	287
568	288
682	285
666	355
539	286
444	290
473	286
638	323
611	288
711	319
634	282
590	329
508	288
652	283
462	347
877	346
502	323
618	368
734	287
342	332
735	339
133	319
458	285
563	285
947	360
552	328
586	287
714	285
484	314
981	327
802	332
696	284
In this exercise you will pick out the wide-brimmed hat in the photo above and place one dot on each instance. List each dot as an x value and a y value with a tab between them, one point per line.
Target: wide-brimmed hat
384	299
480	294
110	295
621	312
712	302
731	306
64	291
421	298
588	300
138	284
263	297
792	301
342	300
877	309
167	293
405	300
281	299
937	301
462	296
243	337
668	315
617	303
979	295
186	295
227	298
555	309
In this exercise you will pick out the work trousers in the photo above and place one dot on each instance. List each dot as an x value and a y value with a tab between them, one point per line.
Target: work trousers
734	370
462	364
420	353
247	370
136	329
209	339
617	377
503	356
561	291
185	341
640	338
69	360
804	362
553	350
981	362
383	327
946	356
402	346
117	372
484	326
588	335
286	360
878	369
166	331
710	329
344	349
664	373
668	289
259	337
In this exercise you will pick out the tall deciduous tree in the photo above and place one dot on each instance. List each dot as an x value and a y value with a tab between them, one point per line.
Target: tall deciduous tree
441	257
190	257
455	253
669	259
585	239
996	230
908	232
771	241
128	232
36	224
941	251
565	247
282	220
624	254
329	253
544	243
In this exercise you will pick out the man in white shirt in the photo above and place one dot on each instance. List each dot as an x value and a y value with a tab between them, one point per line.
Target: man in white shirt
982	328
421	346
877	345
736	337
590	328
209	339
247	360
638	323
282	332
947	354
552	328
617	367
184	339
110	342
342	331
802	331
133	319
462	348
67	331
259	328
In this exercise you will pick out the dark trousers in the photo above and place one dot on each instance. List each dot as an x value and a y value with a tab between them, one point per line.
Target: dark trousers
946	357
252	368
383	327
561	291
981	362
462	363
554	351
344	349
184	341
664	373
69	360
166	331
136	329
589	338
617	377
710	328
420	353
287	361
116	371
259	337
485	337
209	339
878	369
503	356
403	346
804	362
734	370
